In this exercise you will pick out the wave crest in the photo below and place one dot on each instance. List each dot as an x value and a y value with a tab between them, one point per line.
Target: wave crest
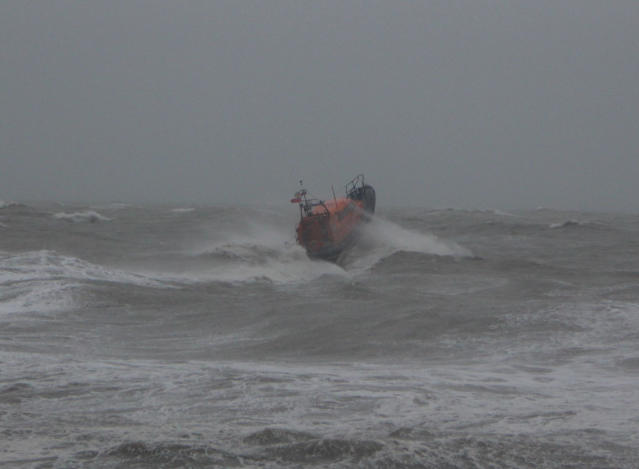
262	252
85	216
45	282
382	238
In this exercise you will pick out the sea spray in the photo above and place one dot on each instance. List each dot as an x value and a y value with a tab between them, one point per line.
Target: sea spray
394	236
380	238
253	251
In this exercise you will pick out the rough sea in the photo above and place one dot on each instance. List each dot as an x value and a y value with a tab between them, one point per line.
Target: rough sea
161	337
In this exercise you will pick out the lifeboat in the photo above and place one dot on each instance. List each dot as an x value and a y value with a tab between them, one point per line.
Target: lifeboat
328	227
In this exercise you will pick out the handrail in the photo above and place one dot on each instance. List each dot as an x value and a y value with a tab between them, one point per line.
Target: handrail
353	189
310	203
354	184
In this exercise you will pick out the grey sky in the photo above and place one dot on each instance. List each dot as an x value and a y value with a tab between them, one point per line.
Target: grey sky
442	103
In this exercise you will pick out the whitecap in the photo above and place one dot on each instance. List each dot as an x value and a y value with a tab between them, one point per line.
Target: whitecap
566	224
46	282
501	213
268	253
259	252
48	265
89	216
4	204
240	262
37	297
182	210
382	238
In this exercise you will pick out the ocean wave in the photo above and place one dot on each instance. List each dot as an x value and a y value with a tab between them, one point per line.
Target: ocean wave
486	211
49	265
324	451
501	213
315	451
112	206
8	205
397	238
44	281
382	238
251	261
170	454
267	253
276	436
37	297
572	223
89	216
251	252
182	210
565	224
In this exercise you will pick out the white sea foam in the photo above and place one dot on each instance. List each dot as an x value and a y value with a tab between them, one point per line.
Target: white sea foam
37	296
480	402
266	252
48	265
43	281
182	210
90	216
398	238
293	269
489	211
566	224
501	213
250	234
260	252
381	238
5	204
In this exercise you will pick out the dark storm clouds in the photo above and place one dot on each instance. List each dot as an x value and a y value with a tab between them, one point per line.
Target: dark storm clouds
440	103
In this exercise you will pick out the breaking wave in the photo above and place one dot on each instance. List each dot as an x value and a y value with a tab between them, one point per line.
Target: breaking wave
267	253
382	238
85	216
45	282
484	211
4	204
11	205
37	297
49	265
573	224
264	255
396	238
183	210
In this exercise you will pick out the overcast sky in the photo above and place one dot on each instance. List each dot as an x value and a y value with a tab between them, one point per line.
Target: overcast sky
475	104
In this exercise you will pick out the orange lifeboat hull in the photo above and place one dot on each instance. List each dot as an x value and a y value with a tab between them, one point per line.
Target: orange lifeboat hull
333	226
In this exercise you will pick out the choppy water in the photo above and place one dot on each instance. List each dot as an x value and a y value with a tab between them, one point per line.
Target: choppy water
137	337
